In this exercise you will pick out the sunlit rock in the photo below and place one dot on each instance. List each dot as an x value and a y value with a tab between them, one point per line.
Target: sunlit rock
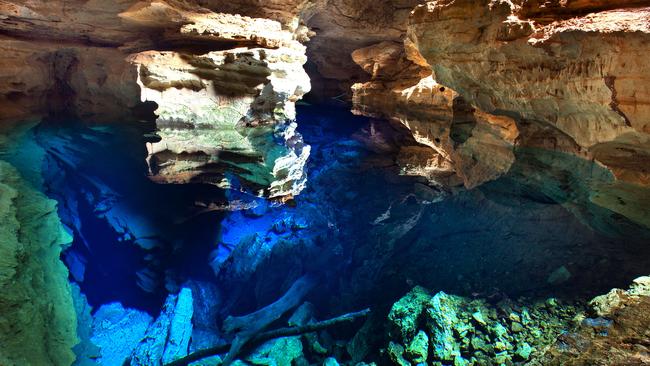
534	65
458	144
223	86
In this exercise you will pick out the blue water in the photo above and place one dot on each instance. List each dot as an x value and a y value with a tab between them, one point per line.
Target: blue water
367	233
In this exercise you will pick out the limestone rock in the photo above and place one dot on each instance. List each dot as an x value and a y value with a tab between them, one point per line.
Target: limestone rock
38	325
404	315
576	75
226	110
168	337
418	350
342	26
117	331
457	143
281	352
223	85
461	331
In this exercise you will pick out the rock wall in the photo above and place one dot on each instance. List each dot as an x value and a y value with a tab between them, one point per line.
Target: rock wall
476	82
458	144
38	325
582	75
222	86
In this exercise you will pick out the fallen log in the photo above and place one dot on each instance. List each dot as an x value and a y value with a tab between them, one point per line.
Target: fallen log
254	323
271	334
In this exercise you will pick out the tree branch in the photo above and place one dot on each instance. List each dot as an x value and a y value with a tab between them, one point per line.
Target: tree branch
271	334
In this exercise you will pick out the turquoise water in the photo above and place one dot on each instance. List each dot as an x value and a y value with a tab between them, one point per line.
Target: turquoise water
364	232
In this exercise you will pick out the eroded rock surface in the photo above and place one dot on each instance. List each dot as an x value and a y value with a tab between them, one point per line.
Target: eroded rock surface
581	75
478	81
222	86
458	144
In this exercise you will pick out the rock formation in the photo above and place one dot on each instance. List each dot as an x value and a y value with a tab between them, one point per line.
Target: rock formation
559	69
458	144
38	325
612	330
546	103
478	81
109	62
461	331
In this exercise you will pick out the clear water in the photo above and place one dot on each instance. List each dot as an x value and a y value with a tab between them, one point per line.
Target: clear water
367	233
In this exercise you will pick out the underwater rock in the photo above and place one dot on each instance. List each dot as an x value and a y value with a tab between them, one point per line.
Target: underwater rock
443	325
461	331
396	354
418	350
277	352
405	314
180	327
168	337
330	361
38	325
117	331
86	351
558	276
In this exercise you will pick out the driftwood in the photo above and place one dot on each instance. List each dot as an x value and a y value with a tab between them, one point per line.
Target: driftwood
247	326
271	334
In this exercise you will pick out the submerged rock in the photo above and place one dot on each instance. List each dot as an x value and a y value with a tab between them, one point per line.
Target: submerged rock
459	331
169	336
404	315
117	331
277	352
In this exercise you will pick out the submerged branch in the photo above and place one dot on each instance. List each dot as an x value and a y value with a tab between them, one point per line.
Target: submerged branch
271	334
